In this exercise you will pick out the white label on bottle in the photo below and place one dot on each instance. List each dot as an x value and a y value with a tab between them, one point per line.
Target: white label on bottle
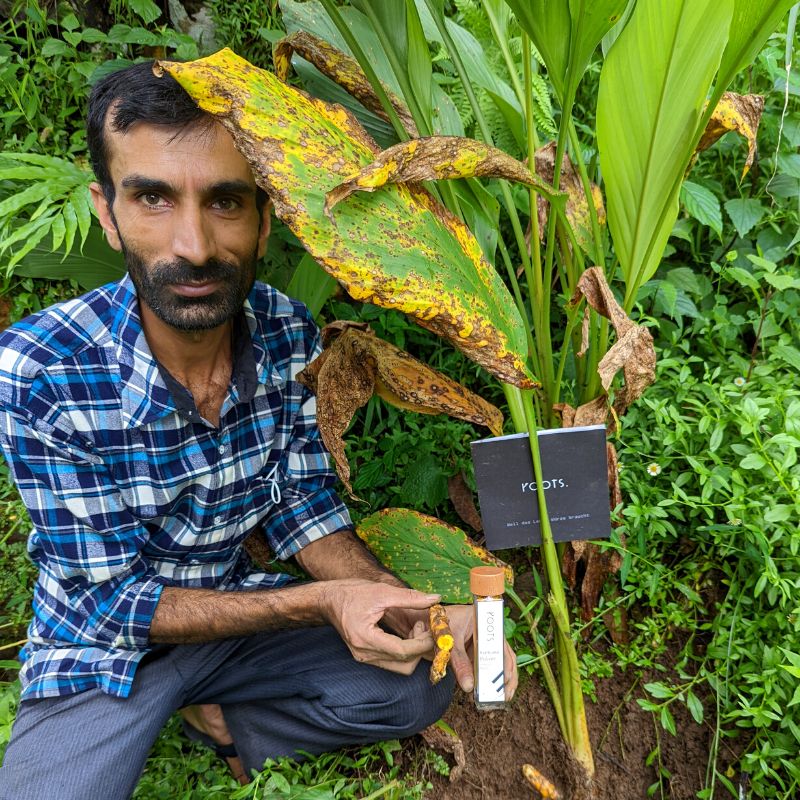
489	680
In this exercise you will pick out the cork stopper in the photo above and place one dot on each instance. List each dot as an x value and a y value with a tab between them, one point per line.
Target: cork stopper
487	581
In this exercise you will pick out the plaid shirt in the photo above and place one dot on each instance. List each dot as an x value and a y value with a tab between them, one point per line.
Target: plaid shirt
130	490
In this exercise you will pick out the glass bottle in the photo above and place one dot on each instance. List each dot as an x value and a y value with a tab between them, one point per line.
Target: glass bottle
487	585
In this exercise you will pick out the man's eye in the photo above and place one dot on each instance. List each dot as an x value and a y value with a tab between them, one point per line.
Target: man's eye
226	204
151	199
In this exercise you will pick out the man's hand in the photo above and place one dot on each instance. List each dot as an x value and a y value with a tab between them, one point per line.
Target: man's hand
462	626
355	607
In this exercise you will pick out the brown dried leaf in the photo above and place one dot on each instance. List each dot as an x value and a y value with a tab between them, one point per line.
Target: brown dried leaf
735	112
343	383
340	68
633	352
577	209
258	549
463	501
595	412
442	738
357	364
435	158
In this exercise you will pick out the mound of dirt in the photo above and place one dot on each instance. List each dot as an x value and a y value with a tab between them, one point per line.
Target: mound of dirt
623	737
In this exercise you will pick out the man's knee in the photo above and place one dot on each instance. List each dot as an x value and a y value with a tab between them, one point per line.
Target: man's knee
404	705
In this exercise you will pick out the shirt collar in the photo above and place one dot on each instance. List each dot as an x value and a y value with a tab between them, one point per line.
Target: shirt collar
148	392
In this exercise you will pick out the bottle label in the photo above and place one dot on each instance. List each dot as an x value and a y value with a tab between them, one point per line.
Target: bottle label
489	678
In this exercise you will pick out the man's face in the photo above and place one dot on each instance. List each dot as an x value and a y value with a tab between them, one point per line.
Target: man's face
185	218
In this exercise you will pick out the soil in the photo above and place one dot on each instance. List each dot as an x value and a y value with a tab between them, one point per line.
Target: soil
623	736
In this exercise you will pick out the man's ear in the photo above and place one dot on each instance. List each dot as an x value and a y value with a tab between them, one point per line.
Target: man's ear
104	215
263	231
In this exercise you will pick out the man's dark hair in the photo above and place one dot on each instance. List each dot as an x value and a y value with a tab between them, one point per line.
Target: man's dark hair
134	94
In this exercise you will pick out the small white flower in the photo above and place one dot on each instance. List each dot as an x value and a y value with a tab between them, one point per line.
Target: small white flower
653	469
740	381
736	521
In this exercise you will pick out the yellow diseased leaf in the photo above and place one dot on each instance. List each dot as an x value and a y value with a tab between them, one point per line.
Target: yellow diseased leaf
397	248
435	158
426	553
735	112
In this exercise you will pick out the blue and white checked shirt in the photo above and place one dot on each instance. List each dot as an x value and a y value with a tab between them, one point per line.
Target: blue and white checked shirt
130	490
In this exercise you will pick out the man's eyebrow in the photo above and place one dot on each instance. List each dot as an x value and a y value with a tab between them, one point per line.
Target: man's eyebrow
143	183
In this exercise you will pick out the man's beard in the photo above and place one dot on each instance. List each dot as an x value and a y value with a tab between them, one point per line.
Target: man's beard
153	282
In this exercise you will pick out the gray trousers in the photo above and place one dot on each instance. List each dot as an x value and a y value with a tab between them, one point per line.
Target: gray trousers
280	693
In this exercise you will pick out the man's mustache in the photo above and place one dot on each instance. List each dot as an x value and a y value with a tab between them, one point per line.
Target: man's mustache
181	271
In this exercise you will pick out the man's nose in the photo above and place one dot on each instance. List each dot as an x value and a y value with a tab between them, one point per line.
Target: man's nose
192	238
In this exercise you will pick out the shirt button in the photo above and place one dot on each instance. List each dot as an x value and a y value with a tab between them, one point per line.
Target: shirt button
219	519
221	449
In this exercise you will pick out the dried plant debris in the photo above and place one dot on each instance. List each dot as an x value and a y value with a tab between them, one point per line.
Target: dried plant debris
442	738
633	352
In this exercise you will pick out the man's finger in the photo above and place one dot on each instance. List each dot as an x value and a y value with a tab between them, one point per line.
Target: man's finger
408	598
461	665
397	649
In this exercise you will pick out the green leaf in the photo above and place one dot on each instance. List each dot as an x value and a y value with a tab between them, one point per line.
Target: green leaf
778	513
703	205
146	10
668	721
789	354
695	707
742	277
427	554
425	483
56	47
782	282
753	461
648	128
566	33
745	214
753	22
310	284
97	265
659	690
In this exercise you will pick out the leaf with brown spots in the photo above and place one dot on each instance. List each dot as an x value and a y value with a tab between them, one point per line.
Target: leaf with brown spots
577	207
633	352
735	112
426	553
397	248
340	68
356	363
463	501
435	158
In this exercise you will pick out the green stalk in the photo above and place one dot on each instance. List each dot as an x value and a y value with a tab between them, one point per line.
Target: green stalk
566	654
547	671
502	43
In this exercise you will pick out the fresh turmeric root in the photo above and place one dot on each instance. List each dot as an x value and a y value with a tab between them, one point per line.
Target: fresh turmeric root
535	778
443	639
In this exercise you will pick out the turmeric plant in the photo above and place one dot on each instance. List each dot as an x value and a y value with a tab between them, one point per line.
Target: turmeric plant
366	218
